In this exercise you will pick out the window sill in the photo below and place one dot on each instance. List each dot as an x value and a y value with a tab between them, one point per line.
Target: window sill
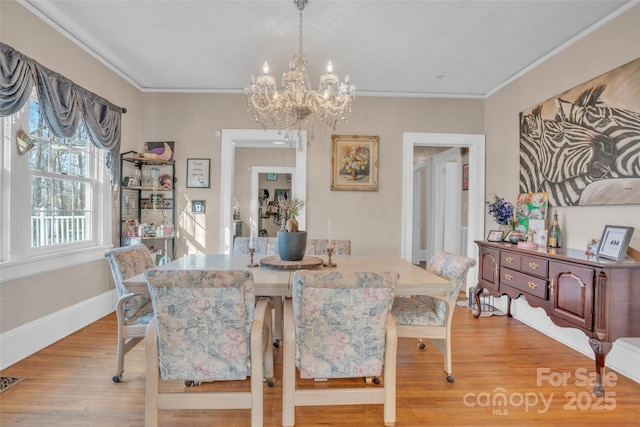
12	270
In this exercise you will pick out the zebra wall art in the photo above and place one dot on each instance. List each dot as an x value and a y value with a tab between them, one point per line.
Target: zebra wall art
583	146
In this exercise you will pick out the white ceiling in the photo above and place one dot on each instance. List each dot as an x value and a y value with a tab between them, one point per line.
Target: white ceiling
398	48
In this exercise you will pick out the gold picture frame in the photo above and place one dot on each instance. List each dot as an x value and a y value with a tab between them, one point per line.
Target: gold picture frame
354	162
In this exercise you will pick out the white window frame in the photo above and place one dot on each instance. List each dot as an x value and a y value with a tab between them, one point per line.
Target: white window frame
17	258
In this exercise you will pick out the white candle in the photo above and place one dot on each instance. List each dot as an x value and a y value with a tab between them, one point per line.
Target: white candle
329	231
251	239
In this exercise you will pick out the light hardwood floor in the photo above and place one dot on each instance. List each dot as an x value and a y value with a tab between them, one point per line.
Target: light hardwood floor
69	383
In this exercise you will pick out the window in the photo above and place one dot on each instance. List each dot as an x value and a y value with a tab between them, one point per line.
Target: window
63	185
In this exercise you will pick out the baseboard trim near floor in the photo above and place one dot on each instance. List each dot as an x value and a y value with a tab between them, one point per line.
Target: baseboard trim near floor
624	357
25	340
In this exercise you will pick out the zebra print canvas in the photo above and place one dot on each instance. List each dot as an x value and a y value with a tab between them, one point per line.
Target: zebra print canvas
582	147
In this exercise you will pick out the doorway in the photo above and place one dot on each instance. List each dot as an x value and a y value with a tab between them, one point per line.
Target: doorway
259	211
231	139
476	145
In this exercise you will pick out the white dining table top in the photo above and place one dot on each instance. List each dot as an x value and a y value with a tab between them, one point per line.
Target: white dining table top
413	280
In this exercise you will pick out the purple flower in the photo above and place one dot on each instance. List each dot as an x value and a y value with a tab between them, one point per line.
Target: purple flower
501	210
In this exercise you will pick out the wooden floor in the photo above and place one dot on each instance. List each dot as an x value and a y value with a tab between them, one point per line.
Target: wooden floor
69	384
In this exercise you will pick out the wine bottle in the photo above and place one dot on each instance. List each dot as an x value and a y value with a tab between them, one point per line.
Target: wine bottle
555	235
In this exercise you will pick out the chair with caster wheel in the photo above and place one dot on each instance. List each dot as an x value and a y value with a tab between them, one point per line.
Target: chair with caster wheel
207	328
134	312
430	317
339	325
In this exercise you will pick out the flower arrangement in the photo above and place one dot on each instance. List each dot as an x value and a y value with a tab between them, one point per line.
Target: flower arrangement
354	159
290	208
501	210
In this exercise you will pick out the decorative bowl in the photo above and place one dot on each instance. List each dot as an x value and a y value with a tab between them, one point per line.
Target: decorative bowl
515	237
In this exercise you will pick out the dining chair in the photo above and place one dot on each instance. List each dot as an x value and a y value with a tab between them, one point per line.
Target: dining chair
207	327
319	247
430	317
339	325
133	311
241	245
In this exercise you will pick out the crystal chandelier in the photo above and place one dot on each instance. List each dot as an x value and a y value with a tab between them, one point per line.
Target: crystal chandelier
296	105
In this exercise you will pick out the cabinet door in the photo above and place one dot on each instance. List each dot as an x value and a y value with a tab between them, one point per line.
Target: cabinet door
571	294
489	269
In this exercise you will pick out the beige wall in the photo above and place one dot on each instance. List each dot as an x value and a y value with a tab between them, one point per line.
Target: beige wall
611	46
31	298
371	220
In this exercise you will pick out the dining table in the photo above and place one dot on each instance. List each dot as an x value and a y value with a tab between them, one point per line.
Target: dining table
277	282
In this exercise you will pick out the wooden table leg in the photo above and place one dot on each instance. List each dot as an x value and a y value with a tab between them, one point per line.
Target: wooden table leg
476	297
600	349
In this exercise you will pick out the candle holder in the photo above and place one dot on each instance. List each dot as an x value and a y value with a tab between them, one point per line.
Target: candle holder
330	254
251	263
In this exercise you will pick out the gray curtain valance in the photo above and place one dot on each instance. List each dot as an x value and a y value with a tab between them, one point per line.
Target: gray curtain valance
62	103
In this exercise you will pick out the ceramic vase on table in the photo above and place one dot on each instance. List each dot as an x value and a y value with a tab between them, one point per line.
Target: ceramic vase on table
292	246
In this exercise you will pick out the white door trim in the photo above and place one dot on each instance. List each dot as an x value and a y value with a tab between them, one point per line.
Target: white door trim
476	145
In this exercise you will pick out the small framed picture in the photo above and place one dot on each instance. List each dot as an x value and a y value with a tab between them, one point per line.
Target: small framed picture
197	206
198	173
272	176
615	242
495	236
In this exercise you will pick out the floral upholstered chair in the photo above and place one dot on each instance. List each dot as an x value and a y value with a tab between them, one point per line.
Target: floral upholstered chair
430	317
241	245
207	327
319	247
134	312
338	325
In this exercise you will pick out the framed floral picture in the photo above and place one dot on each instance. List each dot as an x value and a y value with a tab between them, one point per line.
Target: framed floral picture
354	163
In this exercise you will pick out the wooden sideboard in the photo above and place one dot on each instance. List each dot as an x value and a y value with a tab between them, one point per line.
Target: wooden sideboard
598	296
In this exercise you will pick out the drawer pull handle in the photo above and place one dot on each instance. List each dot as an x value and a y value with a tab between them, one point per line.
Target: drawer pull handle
533	265
509	259
508	276
532	285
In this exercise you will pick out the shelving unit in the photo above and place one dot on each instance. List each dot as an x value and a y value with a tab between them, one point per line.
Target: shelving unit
147	204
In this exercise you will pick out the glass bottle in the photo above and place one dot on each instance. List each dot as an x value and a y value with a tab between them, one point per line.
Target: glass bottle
555	235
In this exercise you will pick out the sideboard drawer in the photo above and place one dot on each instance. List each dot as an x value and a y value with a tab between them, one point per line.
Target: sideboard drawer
510	260
536	266
528	284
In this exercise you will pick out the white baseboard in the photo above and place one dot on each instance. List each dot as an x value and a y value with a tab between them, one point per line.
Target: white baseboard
27	339
624	357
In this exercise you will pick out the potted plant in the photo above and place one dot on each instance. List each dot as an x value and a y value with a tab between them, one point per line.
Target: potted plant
292	243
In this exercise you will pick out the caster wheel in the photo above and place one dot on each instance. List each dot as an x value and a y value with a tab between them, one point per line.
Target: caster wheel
271	382
188	383
421	346
116	378
376	380
450	378
276	343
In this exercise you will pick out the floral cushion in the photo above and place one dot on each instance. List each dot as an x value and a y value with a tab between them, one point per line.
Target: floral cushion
126	262
451	267
241	245
204	323
319	247
412	311
340	322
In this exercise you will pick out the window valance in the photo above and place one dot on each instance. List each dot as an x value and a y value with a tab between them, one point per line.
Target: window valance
62	102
